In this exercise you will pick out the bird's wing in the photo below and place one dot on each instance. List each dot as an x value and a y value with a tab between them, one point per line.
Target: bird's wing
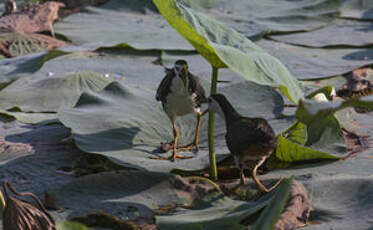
260	131
196	87
164	87
251	135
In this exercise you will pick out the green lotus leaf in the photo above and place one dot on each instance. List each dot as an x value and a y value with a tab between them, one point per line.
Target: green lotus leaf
357	9
126	123
68	225
225	213
256	18
48	94
271	213
317	134
136	23
321	139
360	34
224	47
13	68
307	63
127	193
310	111
29	118
289	151
326	195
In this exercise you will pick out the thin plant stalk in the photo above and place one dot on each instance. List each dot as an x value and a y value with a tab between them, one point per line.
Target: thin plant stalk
2	203
213	168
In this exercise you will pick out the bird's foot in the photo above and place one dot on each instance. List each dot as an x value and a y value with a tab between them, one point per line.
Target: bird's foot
167	146
235	190
263	189
171	158
189	147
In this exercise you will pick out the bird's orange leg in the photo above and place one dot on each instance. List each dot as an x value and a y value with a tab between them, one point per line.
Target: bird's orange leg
257	181
242	177
196	140
174	144
236	188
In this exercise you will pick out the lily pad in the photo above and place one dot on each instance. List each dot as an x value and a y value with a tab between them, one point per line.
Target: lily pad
126	124
349	33
225	213
253	18
30	118
119	64
136	23
313	63
13	68
357	9
340	202
305	63
125	194
48	94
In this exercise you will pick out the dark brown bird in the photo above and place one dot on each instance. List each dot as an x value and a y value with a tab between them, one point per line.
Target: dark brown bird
246	138
181	93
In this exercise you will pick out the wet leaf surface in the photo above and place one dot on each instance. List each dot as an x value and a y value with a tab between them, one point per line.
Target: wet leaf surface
50	93
120	124
357	9
132	22
347	33
313	63
135	124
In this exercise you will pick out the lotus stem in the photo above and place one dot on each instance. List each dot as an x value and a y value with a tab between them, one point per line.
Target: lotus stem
213	168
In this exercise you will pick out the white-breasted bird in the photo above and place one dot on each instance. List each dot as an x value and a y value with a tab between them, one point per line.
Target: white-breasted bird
181	93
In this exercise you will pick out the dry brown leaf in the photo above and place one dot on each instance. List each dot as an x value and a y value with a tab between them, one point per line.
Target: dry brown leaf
38	18
357	84
15	43
355	143
11	149
19	215
297	210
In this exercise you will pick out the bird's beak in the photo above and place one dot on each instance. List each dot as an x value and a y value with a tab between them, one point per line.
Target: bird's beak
184	72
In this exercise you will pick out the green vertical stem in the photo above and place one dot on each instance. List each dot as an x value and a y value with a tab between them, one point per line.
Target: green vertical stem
2	203
213	168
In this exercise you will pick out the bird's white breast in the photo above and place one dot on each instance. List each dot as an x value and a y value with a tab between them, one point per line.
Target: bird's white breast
179	100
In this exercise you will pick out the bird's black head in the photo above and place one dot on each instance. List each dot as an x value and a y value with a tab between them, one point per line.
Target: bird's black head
216	103
181	68
219	104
